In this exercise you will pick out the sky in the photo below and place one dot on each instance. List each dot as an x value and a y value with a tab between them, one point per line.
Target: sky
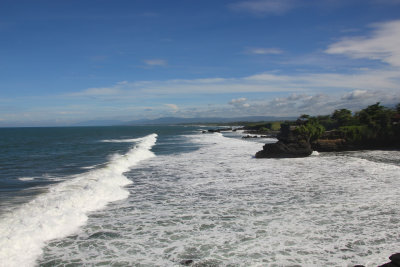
67	61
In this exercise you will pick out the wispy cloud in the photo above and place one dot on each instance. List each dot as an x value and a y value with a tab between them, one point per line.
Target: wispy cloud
239	103
274	7
300	92
103	91
174	107
383	44
357	94
388	2
155	62
259	83
281	7
264	51
98	92
313	104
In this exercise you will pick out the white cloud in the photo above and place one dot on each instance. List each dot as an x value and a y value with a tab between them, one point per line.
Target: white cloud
264	51
103	91
279	7
174	107
155	62
276	7
316	93
317	104
383	44
356	94
98	92
239	103
329	83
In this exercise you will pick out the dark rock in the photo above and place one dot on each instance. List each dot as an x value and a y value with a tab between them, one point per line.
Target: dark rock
328	145
332	134
290	145
249	136
395	261
258	136
287	134
285	150
262	132
186	262
395	258
219	130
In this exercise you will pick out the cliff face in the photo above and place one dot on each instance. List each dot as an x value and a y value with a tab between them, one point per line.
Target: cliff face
290	145
285	150
375	127
331	141
328	145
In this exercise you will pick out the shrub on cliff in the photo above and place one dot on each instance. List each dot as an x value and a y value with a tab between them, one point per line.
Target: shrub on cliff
355	134
342	117
311	130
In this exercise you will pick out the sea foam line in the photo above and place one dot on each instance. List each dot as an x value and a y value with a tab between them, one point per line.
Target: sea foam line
62	210
121	140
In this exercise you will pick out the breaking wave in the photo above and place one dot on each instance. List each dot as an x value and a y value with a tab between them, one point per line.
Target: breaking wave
64	208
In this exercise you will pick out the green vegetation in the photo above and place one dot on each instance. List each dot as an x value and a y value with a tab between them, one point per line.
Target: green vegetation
263	126
310	129
375	125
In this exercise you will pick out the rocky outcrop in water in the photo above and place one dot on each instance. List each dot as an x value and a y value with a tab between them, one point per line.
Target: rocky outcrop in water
394	261
219	130
375	127
290	145
285	150
255	136
186	262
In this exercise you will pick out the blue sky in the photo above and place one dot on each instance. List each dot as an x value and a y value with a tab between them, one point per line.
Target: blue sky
62	61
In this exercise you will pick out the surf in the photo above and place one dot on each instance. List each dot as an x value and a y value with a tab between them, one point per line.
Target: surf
64	207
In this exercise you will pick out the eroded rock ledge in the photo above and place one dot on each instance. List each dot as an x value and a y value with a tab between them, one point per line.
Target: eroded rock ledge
290	145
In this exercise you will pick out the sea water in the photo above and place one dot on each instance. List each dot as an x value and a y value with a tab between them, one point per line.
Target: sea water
161	196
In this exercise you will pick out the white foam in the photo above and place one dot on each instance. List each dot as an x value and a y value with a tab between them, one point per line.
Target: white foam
121	140
220	206
89	167
62	210
315	153
26	178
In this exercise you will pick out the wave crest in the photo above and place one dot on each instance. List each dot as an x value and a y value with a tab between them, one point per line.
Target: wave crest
64	208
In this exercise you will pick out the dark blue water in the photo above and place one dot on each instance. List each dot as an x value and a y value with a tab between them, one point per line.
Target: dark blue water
33	158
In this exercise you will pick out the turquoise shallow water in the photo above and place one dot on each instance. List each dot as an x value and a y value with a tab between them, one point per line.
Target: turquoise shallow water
157	196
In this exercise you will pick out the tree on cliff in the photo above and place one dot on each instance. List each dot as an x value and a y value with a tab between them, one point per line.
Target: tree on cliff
342	117
311	130
378	119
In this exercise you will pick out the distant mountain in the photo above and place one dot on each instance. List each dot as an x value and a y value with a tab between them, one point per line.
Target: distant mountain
100	123
175	120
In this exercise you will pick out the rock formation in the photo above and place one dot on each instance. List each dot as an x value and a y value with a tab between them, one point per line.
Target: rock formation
290	145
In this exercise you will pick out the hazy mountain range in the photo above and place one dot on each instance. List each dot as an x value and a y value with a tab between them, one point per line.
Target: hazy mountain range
176	120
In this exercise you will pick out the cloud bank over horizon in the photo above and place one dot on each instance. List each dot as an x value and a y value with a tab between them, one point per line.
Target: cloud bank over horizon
265	76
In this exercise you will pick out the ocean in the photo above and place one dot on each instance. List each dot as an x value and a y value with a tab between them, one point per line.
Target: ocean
173	196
